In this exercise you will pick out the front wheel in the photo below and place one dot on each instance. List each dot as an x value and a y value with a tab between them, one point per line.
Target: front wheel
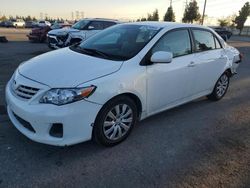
220	88
115	121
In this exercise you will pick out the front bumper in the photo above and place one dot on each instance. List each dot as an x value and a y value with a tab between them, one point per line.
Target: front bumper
77	118
56	42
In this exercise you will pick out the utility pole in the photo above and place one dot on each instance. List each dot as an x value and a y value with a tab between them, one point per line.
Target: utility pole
204	10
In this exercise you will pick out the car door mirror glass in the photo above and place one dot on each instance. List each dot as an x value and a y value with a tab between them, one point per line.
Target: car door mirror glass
162	57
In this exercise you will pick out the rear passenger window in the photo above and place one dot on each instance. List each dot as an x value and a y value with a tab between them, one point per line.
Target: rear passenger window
204	40
96	25
177	42
108	24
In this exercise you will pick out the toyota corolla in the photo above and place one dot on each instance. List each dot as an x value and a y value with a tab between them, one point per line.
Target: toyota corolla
103	86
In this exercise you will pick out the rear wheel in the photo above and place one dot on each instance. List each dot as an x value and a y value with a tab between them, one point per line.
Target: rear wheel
115	121
220	88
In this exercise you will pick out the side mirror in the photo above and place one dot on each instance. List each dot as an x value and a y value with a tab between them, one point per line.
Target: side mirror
91	27
162	57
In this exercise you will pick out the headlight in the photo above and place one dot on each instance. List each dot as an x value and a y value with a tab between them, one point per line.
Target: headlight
65	96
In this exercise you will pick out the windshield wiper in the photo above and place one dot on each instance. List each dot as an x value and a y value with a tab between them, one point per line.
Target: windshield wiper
94	52
98	52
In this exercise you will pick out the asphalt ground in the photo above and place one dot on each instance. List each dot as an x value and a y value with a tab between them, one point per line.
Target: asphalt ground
199	144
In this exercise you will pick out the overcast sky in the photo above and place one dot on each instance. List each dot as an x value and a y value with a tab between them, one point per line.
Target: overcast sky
126	9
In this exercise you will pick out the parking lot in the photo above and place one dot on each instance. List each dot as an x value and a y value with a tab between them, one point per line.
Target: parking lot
200	144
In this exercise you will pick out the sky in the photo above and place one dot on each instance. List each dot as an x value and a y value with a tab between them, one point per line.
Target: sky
117	9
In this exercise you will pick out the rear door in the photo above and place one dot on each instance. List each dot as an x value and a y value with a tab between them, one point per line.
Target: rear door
209	60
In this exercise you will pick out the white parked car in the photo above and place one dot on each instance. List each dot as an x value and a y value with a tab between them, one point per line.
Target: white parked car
80	31
100	88
43	23
18	23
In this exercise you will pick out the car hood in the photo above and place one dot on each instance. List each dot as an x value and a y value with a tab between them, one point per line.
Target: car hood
40	29
62	31
66	68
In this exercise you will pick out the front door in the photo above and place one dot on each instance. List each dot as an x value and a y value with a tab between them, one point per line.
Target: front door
169	83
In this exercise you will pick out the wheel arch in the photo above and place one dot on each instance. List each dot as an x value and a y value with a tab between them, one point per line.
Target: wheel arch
132	96
229	72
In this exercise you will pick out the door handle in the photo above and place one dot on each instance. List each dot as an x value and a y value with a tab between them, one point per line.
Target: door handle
191	64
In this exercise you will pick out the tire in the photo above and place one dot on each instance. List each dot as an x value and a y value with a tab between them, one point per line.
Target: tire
115	121
220	88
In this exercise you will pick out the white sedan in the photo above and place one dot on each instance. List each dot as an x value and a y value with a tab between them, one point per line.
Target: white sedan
100	88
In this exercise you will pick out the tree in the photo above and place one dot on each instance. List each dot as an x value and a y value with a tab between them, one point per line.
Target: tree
154	16
34	19
191	12
28	18
243	14
223	22
3	18
169	16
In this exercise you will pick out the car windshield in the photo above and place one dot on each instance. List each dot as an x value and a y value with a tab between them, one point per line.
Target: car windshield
80	25
120	42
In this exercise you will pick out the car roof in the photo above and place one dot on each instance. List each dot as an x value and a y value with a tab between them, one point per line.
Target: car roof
168	24
101	19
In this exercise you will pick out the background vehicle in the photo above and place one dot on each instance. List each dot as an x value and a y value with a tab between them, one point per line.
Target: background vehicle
80	31
30	24
225	34
7	23
43	23
39	33
60	24
104	85
18	23
2	24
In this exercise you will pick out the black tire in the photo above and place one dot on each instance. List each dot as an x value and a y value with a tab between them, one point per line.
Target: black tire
215	96
99	128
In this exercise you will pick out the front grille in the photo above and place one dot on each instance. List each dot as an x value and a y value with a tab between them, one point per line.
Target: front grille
62	38
52	40
25	92
24	123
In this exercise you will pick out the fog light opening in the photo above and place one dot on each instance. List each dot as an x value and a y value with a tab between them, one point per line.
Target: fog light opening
56	130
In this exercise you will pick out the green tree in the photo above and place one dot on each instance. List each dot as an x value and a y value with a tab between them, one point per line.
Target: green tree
3	18
243	14
154	16
223	22
191	12
28	18
169	16
150	17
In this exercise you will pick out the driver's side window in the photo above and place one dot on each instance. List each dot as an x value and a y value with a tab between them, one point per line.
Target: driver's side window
176	42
